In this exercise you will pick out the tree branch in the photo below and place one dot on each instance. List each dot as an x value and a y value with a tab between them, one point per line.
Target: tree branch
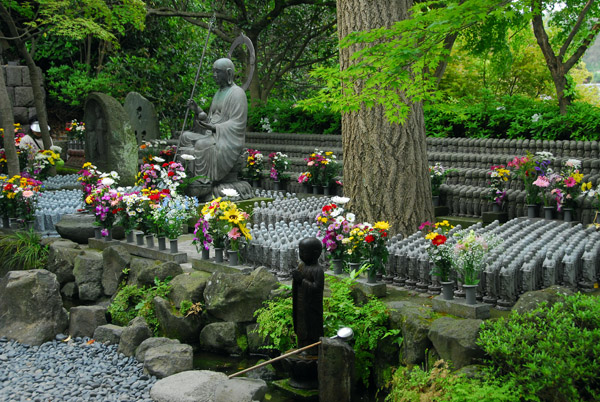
580	18
581	49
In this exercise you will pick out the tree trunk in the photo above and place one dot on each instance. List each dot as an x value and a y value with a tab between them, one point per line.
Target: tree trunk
6	115
385	165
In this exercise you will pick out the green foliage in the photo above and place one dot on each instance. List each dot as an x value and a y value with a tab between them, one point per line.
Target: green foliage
22	250
185	306
513	117
551	353
286	117
132	301
368	321
439	384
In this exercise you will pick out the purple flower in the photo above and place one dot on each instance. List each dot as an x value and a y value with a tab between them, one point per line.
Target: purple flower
104	232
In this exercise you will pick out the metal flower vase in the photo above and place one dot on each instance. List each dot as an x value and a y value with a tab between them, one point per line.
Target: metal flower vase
372	275
205	254
173	246
470	293
130	237
338	266
162	243
233	258
447	290
218	254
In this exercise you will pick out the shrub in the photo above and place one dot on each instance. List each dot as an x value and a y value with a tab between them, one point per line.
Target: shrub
22	251
552	353
132	301
439	384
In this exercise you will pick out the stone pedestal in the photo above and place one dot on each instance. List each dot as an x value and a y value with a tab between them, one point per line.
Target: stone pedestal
459	308
336	370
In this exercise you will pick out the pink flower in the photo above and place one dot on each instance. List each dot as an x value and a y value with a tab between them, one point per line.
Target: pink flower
570	181
27	193
541	181
234	233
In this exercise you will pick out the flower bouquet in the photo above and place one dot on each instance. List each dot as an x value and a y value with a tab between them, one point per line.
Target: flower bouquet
528	168
226	224
149	176
75	130
439	251
334	227
279	164
375	248
437	174
469	255
88	177
171	213
172	175
20	196
105	201
131	210
254	165
498	177
567	186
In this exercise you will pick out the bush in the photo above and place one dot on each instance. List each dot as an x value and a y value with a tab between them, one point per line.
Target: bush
282	117
513	117
552	353
368	321
132	301
22	251
439	384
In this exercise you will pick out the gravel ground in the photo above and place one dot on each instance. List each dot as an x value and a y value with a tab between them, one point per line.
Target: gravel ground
70	371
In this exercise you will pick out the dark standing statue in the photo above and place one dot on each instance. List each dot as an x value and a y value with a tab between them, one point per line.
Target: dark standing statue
307	292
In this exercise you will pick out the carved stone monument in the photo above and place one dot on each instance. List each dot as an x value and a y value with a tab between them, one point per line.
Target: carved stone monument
109	140
142	117
218	138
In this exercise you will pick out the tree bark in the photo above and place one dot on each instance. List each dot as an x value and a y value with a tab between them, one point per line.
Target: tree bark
386	172
6	115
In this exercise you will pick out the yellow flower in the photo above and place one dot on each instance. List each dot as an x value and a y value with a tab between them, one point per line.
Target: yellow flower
86	165
232	215
578	177
381	225
328	153
586	186
431	235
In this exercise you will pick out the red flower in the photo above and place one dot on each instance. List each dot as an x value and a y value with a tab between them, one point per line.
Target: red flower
383	233
370	238
171	173
327	208
439	240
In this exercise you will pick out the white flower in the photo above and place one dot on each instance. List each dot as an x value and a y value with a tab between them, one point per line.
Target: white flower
114	175
339	219
158	159
56	149
340	200
187	157
574	163
536	117
336	212
230	192
207	217
545	155
500	108
350	217
107	182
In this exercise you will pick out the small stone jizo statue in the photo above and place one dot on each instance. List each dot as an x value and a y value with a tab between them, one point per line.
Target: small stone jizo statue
307	293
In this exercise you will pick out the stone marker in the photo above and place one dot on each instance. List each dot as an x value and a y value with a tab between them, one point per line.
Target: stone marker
142	117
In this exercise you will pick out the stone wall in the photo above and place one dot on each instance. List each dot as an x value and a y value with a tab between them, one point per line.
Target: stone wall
18	84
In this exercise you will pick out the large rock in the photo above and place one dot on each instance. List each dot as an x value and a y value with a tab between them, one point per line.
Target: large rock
241	390
80	227
87	270
31	309
454	340
414	321
223	337
163	361
531	300
188	386
154	342
235	297
83	320
110	142
142	116
136	332
174	325
143	273
108	334
256	343
115	259
61	259
188	286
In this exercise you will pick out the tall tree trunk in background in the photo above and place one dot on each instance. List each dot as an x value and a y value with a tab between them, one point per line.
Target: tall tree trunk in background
6	115
386	172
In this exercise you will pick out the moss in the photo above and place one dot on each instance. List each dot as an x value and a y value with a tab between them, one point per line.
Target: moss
242	342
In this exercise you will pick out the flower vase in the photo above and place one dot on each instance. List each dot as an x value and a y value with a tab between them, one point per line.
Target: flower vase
548	213
255	183
130	237
139	237
470	293
233	257
108	236
150	241
354	266
5	221
568	214
218	254
315	190
98	233
338	266
496	207
29	225
531	210
205	254
173	246
162	243
325	190
372	275
436	200
276	185
447	290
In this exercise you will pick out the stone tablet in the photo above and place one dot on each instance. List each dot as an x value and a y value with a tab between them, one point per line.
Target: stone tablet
109	140
142	116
